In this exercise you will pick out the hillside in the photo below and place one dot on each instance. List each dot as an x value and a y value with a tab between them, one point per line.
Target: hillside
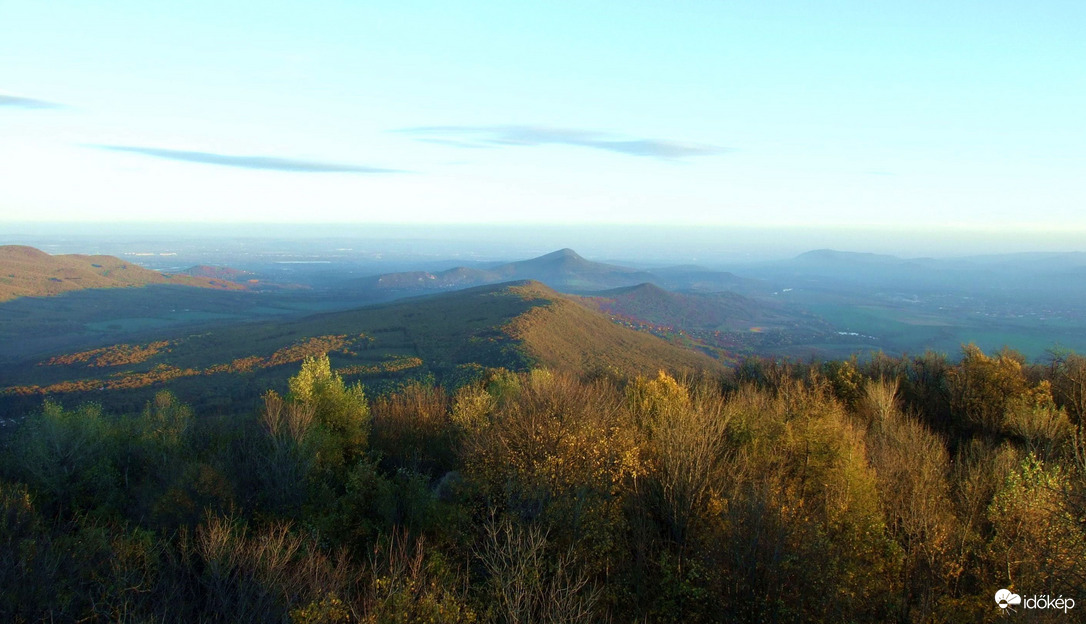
565	335
219	272
29	272
716	311
691	278
508	325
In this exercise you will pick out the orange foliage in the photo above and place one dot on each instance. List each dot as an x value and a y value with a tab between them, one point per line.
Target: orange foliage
391	366
134	354
240	365
115	355
158	374
312	347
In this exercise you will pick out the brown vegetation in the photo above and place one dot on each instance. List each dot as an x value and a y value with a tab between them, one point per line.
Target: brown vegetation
116	355
886	490
392	365
28	272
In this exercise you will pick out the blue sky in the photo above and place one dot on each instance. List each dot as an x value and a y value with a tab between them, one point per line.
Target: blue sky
944	114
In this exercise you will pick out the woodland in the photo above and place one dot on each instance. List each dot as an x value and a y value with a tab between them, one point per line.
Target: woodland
887	489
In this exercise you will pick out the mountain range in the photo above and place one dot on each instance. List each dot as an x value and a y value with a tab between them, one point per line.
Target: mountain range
564	270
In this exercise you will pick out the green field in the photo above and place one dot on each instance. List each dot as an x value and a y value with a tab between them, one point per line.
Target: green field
900	330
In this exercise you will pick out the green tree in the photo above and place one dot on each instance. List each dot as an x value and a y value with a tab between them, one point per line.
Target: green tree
66	458
1039	541
341	413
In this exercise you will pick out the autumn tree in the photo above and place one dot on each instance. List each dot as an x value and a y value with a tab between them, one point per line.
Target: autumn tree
341	413
912	468
981	387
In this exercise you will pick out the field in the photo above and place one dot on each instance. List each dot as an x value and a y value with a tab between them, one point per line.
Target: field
899	329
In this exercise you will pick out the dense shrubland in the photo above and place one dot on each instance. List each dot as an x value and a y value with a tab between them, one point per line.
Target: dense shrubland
890	489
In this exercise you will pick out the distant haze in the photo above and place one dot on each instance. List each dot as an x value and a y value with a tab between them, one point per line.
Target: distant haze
644	245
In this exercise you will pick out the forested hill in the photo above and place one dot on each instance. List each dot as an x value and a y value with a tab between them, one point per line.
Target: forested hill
564	270
29	272
566	335
515	326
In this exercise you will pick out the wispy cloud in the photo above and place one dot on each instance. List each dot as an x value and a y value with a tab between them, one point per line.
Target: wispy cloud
497	136
16	101
248	162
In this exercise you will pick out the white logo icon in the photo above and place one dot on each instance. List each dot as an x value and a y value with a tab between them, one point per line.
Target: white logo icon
1004	598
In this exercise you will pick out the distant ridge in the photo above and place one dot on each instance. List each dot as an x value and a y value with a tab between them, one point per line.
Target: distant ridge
564	270
712	311
218	272
29	272
833	255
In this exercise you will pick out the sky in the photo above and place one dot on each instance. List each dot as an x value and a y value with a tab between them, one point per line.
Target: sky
938	116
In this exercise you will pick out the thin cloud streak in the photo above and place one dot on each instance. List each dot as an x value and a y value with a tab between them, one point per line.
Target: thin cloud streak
491	136
16	101
266	163
456	143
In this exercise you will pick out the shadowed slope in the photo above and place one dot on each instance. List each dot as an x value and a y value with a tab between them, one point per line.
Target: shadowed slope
714	311
515	326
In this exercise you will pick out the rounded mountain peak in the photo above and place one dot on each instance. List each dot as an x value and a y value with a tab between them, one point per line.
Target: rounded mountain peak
562	254
22	252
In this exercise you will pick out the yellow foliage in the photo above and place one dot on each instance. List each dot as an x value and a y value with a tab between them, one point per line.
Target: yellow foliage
560	451
472	406
981	386
1038	540
328	609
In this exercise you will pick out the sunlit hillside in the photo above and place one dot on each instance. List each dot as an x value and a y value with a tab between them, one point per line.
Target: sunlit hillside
28	272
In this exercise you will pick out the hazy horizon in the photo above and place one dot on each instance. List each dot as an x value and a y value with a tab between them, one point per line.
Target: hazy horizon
639	244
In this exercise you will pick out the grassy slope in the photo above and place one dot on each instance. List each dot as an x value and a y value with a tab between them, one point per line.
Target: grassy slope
29	272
